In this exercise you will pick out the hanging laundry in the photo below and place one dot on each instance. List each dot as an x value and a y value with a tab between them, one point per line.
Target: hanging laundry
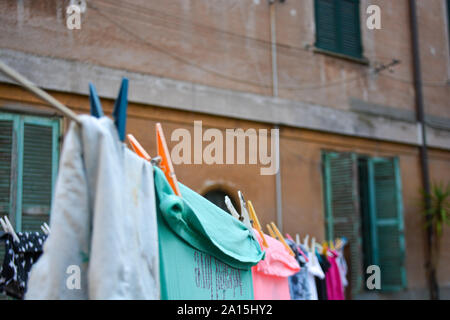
18	260
335	290
205	253
314	271
342	265
298	283
270	276
103	242
321	283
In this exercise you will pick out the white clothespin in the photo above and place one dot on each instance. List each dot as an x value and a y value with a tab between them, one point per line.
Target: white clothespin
297	239
11	229
305	242
313	245
4	226
44	230
244	213
47	227
231	207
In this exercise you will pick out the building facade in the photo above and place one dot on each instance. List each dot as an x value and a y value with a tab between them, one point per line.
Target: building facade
341	94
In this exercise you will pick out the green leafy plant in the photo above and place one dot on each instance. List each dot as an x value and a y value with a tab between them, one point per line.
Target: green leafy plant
436	217
439	211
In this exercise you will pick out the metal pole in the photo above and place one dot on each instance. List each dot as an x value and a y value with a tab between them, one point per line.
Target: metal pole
273	37
434	294
27	84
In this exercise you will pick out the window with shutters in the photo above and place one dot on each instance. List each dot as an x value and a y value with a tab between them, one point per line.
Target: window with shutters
448	20
29	151
338	27
363	202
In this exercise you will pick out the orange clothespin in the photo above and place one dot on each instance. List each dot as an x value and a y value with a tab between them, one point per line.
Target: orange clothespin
272	234
280	237
166	163
138	148
256	224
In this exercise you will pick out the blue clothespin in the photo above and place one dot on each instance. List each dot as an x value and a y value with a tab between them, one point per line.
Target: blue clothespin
96	107
120	109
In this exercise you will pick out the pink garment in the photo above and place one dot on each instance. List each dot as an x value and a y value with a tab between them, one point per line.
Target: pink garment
270	276
335	290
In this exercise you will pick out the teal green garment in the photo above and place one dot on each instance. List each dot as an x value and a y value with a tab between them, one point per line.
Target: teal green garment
205	253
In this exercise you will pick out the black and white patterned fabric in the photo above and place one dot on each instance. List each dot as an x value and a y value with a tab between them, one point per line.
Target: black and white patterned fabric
18	260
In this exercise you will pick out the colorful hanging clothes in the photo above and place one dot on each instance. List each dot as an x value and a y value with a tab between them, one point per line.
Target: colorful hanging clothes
298	283
321	283
314	270
335	290
205	252
18	260
270	276
342	265
103	242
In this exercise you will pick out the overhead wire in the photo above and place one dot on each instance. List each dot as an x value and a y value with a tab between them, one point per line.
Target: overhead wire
181	24
219	74
181	28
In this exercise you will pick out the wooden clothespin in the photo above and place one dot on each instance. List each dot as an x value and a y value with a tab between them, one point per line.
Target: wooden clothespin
272	234
324	248
137	148
166	162
256	224
339	243
280	237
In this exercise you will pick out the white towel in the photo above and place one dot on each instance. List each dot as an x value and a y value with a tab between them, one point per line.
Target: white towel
103	222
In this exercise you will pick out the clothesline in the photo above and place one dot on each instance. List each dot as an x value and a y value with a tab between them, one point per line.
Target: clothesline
30	86
185	227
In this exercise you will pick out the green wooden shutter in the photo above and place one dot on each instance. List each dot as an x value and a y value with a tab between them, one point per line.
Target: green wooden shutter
338	27
6	143
366	225
388	245
326	31
342	208
37	177
350	35
448	19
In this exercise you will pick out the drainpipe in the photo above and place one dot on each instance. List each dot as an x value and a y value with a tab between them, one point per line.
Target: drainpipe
431	272
273	37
